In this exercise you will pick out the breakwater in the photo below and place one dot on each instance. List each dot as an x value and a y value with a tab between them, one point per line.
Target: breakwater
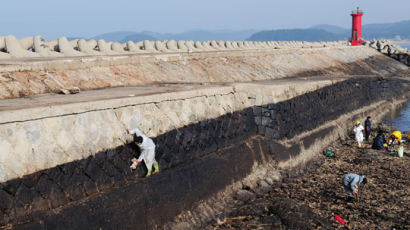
28	77
390	49
226	124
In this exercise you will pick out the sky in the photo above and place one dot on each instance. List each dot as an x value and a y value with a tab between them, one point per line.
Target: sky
87	18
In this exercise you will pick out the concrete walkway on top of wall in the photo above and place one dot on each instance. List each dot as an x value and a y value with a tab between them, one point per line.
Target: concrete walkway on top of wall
53	105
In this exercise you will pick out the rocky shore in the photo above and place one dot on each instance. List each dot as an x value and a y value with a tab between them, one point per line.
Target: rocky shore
312	200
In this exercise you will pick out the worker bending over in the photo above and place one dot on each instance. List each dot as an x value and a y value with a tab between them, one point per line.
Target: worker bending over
358	133
394	138
147	147
379	142
351	184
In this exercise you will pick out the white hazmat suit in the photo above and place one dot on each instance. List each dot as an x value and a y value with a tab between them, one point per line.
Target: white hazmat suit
358	132
147	152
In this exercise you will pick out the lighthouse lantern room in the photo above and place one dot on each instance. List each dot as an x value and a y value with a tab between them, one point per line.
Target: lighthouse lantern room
357	27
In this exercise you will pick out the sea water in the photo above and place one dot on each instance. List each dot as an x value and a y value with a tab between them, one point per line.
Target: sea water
400	119
405	46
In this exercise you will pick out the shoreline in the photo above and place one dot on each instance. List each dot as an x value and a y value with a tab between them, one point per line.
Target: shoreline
312	200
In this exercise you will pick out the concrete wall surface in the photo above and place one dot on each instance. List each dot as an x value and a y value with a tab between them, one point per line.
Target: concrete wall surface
30	77
210	144
32	139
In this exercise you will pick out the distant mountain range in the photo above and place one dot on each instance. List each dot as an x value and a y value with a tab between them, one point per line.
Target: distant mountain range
196	35
121	36
310	35
315	33
398	30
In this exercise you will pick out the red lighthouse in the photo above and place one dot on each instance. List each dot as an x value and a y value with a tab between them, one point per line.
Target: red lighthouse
357	27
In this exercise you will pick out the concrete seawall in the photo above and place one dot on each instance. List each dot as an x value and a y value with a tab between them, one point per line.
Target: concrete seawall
81	129
20	78
210	140
224	122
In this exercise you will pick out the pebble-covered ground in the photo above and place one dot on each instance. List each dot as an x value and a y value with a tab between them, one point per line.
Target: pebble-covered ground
312	200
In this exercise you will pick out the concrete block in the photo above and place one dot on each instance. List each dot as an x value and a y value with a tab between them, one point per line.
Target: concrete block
247	45
228	45
104	47
92	44
199	45
27	43
221	45
149	46
74	43
207	46
241	45
160	46
215	45
130	46
181	46
117	47
87	48
14	48
52	45
191	46
235	45
2	42
41	47
66	48
172	46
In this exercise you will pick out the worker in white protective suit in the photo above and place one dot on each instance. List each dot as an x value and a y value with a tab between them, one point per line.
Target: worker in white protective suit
358	133
147	147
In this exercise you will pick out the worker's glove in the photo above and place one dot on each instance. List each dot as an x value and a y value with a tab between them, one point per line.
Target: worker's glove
355	191
135	163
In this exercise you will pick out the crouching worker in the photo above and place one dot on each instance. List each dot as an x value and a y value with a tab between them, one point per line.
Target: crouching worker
394	138
351	184
379	142
147	147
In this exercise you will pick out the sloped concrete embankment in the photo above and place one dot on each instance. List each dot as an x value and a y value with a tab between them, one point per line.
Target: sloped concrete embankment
203	163
27	78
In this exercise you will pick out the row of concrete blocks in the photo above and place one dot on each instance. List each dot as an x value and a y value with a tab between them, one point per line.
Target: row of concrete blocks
386	46
390	49
11	47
